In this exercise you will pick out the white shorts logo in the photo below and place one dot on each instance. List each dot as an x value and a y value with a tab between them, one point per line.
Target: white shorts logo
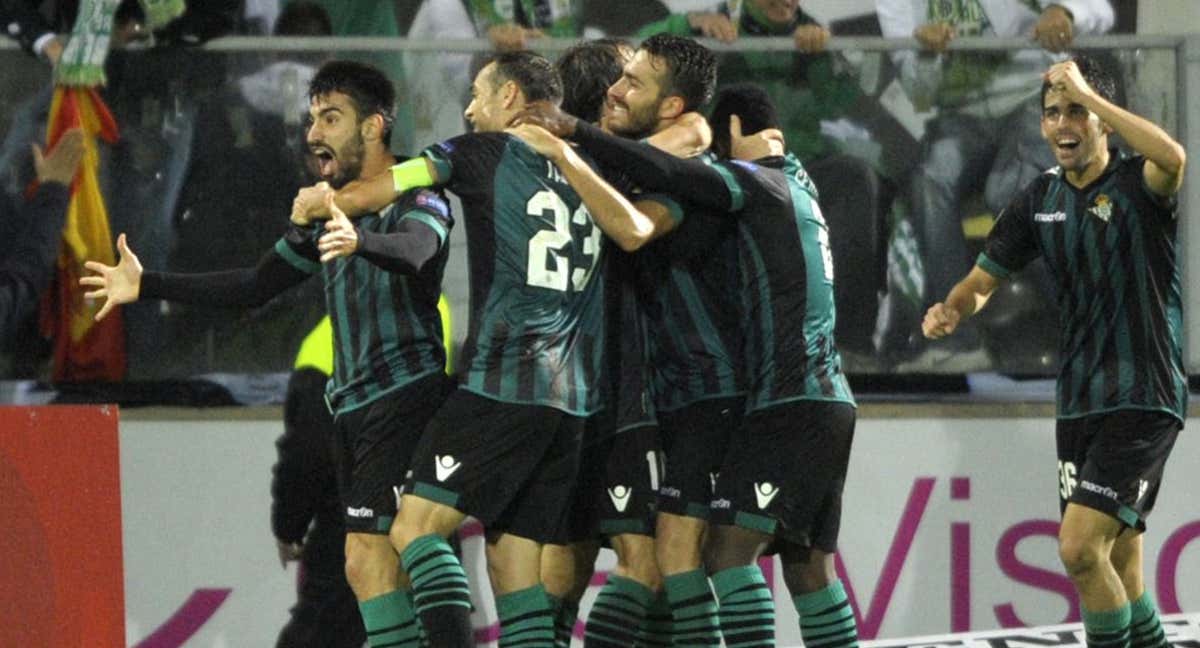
619	495
445	465
360	512
764	493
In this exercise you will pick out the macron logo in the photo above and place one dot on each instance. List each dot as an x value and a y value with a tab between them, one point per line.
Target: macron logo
445	466
361	512
1051	217
620	497
764	493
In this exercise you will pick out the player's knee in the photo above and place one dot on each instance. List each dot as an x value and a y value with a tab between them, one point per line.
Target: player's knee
637	561
1080	554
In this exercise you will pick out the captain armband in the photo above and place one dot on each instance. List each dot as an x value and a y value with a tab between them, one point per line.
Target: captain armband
411	174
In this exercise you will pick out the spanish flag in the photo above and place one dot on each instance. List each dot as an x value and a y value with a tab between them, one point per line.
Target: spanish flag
84	350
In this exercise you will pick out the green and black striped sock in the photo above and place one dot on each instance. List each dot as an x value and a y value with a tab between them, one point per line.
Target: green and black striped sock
745	607
618	615
526	618
565	614
693	610
657	631
1108	629
390	621
1145	629
826	618
440	592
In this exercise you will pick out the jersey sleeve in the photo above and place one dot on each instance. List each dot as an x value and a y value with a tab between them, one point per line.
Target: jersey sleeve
1011	244
243	287
466	164
409	238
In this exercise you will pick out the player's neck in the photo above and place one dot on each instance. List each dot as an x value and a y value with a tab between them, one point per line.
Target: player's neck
375	161
1080	178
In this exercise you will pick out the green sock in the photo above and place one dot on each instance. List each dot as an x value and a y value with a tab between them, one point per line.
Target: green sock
440	592
745	607
526	618
657	631
826	618
693	610
1108	629
1145	630
565	614
390	620
618	615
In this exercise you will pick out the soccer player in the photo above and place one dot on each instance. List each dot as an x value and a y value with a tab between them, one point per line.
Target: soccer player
382	274
688	299
781	483
505	446
1105	224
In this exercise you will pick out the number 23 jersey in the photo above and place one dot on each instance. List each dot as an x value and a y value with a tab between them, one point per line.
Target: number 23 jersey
537	328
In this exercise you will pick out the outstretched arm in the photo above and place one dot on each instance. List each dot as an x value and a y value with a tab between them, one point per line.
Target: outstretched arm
1165	158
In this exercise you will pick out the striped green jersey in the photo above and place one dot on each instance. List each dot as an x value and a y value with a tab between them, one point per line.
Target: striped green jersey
1112	252
387	331
786	284
536	333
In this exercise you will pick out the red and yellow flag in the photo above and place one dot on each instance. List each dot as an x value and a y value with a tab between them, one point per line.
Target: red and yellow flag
84	350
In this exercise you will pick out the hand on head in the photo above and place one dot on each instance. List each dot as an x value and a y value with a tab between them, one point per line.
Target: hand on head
1054	29
765	143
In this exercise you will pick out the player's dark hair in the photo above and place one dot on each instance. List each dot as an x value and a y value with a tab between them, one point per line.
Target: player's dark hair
533	73
1097	75
587	71
367	87
751	103
691	68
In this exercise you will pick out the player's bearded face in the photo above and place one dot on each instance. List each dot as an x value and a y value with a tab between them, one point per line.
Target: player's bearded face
335	139
631	106
486	110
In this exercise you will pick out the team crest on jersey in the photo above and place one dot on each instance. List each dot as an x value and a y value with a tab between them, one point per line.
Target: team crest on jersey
1102	208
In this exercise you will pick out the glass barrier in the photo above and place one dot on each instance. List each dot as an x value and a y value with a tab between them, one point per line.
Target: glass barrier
912	159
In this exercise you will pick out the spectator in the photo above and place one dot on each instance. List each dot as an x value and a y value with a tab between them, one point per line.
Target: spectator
984	137
31	232
510	24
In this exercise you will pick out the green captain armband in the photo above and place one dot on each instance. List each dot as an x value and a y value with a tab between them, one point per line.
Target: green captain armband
411	174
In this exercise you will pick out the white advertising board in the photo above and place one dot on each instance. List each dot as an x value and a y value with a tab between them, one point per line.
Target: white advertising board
948	526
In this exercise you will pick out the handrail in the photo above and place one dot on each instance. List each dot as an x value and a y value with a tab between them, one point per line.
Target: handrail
755	44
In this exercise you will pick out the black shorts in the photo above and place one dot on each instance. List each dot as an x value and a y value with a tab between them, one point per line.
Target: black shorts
694	441
617	490
373	447
511	466
786	470
1113	462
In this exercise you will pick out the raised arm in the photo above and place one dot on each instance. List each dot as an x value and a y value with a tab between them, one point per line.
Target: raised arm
1165	158
629	226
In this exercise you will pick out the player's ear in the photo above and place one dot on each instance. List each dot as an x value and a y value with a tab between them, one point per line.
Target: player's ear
671	107
509	92
372	128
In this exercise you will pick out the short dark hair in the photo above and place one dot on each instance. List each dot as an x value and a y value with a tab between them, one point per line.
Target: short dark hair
753	106
367	87
691	68
587	71
1097	75
533	73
